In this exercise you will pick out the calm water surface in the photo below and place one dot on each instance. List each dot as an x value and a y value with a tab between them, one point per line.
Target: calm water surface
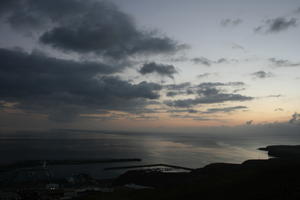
189	150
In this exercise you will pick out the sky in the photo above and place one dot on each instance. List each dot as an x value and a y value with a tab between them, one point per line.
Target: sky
155	65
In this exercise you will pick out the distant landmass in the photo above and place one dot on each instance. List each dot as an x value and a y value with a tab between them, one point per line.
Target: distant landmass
283	151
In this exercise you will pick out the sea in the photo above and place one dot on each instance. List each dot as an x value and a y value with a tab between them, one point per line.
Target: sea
192	150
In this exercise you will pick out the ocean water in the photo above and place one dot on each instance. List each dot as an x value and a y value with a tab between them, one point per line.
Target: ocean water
188	150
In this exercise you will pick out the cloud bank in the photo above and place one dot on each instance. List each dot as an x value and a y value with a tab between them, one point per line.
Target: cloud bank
85	26
63	87
160	69
276	25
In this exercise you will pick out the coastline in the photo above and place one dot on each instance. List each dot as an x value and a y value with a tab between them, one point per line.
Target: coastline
272	178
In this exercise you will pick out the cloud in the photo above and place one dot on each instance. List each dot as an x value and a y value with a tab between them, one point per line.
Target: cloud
176	93
274	96
172	94
237	47
222	60
34	14
238	90
86	26
203	61
160	69
193	117
178	86
184	88
66	88
181	58
183	111
215	84
283	63
208	62
224	110
279	109
262	74
209	93
7	5
295	118
230	22
205	75
276	25
144	117
179	92
249	122
208	96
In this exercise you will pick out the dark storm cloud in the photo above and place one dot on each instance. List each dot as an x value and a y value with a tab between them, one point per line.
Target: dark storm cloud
6	5
105	30
224	110
35	14
262	74
24	66
104	41
160	69
230	22
283	63
276	25
63	89
86	26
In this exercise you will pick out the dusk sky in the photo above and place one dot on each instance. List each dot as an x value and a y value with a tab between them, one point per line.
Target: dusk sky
148	65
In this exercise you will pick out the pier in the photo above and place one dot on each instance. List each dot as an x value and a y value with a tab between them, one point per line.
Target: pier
153	165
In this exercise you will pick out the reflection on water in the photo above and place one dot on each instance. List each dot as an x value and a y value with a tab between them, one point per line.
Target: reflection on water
193	150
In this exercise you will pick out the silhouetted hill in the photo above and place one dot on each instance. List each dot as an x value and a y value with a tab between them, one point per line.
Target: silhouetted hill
275	178
283	151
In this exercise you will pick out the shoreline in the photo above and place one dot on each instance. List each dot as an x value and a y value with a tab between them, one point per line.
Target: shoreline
271	178
45	163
